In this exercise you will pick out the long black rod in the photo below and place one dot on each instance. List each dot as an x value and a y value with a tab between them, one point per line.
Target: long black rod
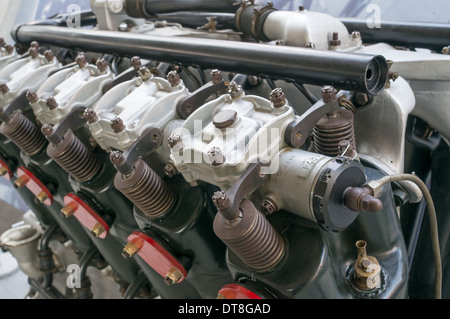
433	36
343	70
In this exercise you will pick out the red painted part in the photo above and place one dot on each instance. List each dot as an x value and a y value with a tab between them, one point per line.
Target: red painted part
35	185
85	214
10	174
235	291
155	255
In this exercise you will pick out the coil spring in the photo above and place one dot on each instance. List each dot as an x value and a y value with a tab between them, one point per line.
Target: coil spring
146	190
23	133
74	157
332	129
253	239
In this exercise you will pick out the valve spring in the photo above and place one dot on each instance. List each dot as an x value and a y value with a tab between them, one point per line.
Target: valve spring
74	157
253	238
24	133
332	129
146	190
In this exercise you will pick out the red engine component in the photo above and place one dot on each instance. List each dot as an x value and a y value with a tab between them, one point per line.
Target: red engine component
235	291
74	205
37	187
156	256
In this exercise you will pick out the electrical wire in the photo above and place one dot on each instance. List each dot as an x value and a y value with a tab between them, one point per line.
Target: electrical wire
433	222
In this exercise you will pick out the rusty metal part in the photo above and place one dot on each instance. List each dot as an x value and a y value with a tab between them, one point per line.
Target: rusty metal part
216	156
174	78
49	55
51	103
145	73
90	115
81	60
146	190
335	42
4	88
228	203
332	129
74	157
170	170
136	62
361	199
268	207
299	130
189	104
117	125
251	237
149	140
23	133
216	76
101	64
277	98
367	274
32	97
33	52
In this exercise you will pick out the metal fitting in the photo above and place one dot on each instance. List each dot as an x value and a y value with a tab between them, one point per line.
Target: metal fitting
102	65
49	56
33	52
117	125
81	60
40	198
235	90
335	42
32	97
4	88
215	156
97	230
173	276
367	274
174	78
328	93
67	211
170	170
221	200
175	139
136	62
268	207
21	182
145	73
216	76
90	115
129	250
51	103
277	98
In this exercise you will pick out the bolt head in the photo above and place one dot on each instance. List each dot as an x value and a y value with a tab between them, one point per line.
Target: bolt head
216	76
328	93
174	78
277	98
81	60
117	125
145	73
32	97
221	200
90	115
216	156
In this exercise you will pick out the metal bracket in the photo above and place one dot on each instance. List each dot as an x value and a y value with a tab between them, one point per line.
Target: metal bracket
188	105
19	103
299	130
150	139
228	202
70	121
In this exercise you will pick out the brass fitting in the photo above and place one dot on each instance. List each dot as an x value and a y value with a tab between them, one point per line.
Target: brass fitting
68	210
173	276
21	181
3	171
129	250
367	269
41	197
97	230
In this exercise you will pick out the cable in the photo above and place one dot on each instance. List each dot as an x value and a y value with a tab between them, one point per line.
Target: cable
432	216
